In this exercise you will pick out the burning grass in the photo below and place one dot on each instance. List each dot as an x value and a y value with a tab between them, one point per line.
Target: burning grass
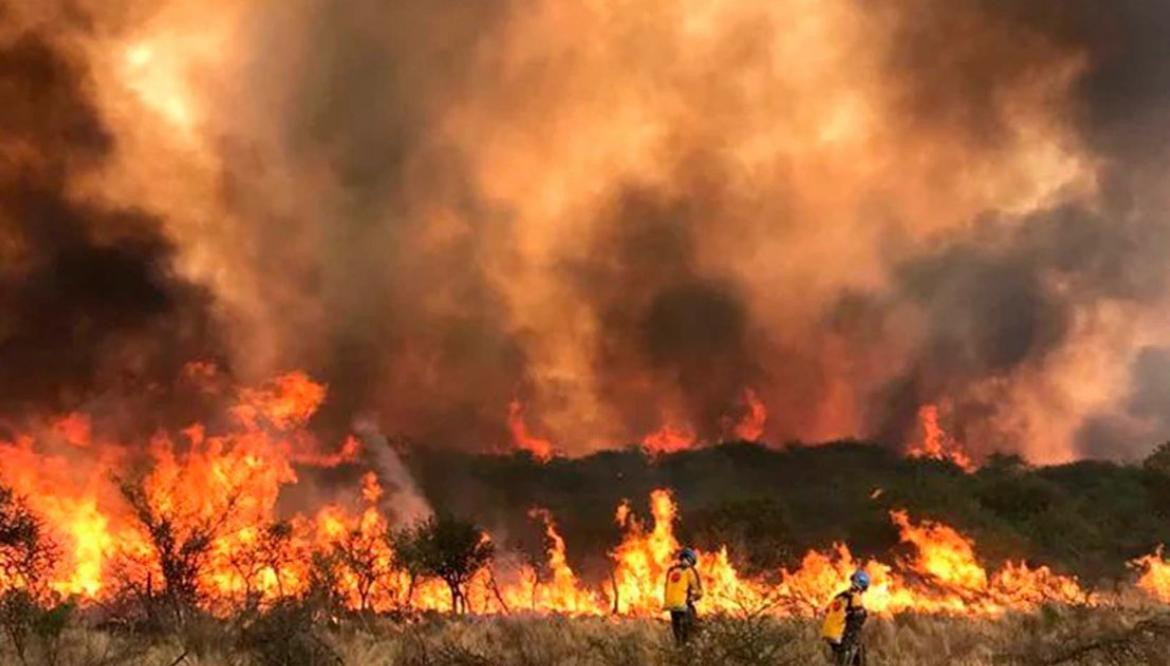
185	554
197	526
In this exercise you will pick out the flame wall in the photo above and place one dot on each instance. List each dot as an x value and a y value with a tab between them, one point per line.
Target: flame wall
628	217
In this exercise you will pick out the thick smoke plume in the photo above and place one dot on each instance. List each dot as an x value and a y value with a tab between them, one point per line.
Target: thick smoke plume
624	216
91	305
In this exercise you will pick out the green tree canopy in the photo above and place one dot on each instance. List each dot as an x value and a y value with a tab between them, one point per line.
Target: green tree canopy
447	548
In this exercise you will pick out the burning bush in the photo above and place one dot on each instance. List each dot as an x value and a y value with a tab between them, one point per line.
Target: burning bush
27	556
31	616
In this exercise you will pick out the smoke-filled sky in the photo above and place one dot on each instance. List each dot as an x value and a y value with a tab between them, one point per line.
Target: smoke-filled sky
623	215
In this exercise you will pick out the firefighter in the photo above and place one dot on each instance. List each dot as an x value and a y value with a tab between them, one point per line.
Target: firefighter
843	622
683	589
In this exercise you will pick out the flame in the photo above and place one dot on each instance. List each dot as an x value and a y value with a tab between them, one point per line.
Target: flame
287	402
942	552
350	449
563	592
641	560
226	483
1155	578
936	443
75	428
751	427
673	437
541	449
669	439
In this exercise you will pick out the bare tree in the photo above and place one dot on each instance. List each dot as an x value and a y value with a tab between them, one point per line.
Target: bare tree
365	558
268	553
181	546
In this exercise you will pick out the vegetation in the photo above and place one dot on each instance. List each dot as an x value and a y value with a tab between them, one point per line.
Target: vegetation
446	548
33	630
770	506
180	545
26	555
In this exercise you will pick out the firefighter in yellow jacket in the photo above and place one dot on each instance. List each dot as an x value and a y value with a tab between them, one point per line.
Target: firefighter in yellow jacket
843	622
683	589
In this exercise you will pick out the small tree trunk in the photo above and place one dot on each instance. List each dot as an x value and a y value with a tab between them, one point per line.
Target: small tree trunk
496	590
616	600
148	601
458	599
410	581
279	582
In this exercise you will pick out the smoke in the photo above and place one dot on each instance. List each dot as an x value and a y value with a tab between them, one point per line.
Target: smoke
624	217
90	301
402	499
1016	303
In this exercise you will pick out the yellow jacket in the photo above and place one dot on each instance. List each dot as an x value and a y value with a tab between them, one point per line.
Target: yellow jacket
846	613
683	586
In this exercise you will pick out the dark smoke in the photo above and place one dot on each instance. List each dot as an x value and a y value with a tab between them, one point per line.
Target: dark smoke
416	336
89	302
1126	91
992	299
685	334
1143	419
674	335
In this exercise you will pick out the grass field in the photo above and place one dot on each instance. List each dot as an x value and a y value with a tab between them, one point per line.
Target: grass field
1055	635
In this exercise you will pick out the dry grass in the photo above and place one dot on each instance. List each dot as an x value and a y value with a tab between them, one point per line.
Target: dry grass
1053	636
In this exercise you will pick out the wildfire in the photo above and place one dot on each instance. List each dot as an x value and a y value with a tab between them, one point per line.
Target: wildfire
562	592
1155	578
669	439
641	560
289	401
541	449
223	487
747	425
751	428
936	443
74	428
944	577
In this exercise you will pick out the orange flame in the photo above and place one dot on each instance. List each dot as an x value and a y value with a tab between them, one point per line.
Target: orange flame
669	439
936	443
541	449
75	428
750	427
563	592
228	483
1155	579
287	402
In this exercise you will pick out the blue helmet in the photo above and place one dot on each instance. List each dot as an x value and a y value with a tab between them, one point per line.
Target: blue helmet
860	580
688	555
